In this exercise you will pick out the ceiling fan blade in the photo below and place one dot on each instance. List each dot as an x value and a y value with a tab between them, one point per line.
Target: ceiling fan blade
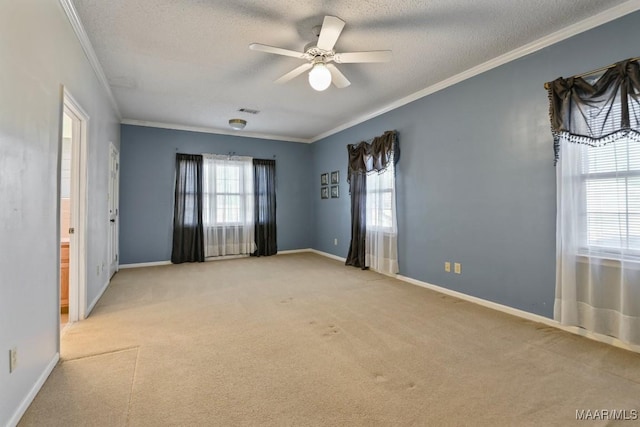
277	50
331	29
355	57
294	73
337	78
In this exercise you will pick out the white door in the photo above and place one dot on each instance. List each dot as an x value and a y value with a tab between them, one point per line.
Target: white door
114	178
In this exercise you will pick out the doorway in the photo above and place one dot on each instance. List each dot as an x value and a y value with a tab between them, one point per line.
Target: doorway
72	217
114	182
65	214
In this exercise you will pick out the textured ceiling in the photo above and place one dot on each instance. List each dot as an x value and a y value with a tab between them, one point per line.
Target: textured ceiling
187	62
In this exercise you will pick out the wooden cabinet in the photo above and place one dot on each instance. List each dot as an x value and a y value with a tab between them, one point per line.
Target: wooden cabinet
64	277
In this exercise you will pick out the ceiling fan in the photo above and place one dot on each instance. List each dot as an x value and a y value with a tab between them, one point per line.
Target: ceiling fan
320	55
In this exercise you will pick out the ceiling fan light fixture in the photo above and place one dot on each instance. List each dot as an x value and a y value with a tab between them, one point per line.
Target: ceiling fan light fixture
320	77
237	124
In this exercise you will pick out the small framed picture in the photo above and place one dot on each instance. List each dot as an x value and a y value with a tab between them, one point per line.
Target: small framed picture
335	191
335	177
324	179
324	192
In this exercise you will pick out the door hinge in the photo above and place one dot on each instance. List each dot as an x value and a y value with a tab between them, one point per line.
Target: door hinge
72	230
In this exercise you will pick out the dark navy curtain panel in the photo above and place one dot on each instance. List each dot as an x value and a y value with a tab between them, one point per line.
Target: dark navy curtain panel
264	176
188	235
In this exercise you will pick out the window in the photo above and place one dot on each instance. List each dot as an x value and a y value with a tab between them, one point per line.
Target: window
228	205
596	129
611	183
227	191
611	187
214	207
228	194
380	199
373	219
381	238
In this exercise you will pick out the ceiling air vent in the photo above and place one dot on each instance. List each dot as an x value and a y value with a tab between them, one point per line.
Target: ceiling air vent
248	111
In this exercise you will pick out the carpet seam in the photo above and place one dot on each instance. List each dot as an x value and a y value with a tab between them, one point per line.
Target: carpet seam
133	381
88	356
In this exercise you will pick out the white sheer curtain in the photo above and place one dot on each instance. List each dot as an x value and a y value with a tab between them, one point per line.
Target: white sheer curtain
228	200
381	239
598	238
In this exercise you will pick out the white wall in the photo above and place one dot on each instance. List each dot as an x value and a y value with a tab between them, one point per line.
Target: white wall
39	53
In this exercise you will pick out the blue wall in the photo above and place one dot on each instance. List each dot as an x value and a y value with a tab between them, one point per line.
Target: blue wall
476	181
147	161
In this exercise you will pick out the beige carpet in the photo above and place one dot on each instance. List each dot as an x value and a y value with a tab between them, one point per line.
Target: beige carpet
299	340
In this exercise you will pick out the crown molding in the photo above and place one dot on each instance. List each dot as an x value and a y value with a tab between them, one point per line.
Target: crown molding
81	34
551	39
203	129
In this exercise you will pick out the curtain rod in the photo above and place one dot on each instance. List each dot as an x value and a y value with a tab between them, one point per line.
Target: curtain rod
599	70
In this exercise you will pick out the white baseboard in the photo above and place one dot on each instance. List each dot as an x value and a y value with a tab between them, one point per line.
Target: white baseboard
483	302
97	298
144	264
328	255
293	251
157	263
314	251
596	337
24	405
506	309
225	257
523	314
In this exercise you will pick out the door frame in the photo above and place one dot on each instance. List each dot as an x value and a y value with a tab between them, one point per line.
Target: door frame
77	240
114	193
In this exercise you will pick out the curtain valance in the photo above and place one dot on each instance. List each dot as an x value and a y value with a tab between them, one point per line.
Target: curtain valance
375	156
596	113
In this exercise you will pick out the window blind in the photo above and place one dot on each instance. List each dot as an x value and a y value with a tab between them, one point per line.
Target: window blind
612	189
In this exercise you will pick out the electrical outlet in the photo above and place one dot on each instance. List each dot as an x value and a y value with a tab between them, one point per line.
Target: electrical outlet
335	242
13	359
457	268
447	267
